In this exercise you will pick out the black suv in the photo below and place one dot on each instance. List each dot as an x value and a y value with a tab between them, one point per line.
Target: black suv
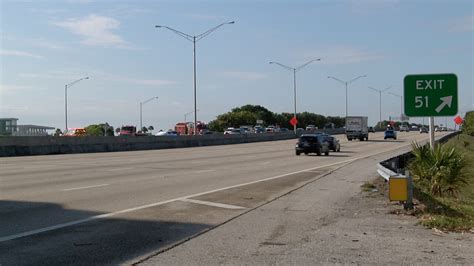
312	143
334	144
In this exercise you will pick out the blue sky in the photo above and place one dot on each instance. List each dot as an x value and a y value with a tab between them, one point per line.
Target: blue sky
47	44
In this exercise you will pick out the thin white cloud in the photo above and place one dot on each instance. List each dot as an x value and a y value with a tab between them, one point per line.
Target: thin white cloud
463	24
145	82
40	42
252	76
96	30
15	109
20	54
13	88
34	41
343	55
96	75
53	74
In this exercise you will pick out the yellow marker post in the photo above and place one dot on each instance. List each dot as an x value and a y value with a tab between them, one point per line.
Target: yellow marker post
398	188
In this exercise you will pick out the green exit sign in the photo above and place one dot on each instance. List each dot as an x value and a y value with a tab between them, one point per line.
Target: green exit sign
431	95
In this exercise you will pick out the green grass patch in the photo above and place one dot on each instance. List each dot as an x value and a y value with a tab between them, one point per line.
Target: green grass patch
448	213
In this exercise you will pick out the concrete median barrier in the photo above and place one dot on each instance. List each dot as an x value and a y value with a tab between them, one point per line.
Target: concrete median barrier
46	145
23	146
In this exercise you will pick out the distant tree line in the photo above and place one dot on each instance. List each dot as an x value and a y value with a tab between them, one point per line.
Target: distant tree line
250	114
100	130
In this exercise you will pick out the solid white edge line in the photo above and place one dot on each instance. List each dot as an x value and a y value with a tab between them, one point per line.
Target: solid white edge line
78	188
106	215
214	204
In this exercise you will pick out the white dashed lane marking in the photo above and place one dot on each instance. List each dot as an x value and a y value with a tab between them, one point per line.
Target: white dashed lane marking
78	188
214	204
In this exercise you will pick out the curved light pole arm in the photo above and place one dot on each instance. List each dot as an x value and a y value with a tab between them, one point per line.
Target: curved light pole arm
375	89
346	83
141	110
284	66
380	101
307	63
188	113
204	34
394	94
156	97
180	33
65	98
354	79
336	79
76	81
401	100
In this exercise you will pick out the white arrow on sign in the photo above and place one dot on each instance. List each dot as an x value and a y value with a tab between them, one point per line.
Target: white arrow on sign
448	100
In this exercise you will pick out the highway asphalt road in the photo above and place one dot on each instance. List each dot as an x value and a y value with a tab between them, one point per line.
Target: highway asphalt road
125	206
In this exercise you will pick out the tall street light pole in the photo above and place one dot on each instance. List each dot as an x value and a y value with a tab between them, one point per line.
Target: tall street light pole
141	111
65	97
294	70
380	101
186	114
346	83
401	103
194	39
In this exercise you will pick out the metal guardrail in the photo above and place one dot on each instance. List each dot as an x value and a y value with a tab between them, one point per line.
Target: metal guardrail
385	172
396	165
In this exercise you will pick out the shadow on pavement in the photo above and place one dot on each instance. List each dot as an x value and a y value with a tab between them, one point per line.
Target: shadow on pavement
343	151
331	154
385	140
113	240
338	154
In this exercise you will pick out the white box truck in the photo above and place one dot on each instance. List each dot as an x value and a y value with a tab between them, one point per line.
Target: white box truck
356	128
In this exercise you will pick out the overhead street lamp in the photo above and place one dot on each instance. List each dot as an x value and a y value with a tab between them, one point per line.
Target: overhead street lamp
380	101
194	39
141	106
346	83
401	103
65	97
186	114
294	70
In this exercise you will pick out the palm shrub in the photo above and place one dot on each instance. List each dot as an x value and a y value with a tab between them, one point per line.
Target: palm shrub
438	170
420	165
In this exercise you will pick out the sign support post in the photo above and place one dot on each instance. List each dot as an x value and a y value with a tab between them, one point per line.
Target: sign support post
409	203
432	134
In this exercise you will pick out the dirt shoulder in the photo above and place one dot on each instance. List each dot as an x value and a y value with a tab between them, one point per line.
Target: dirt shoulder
383	226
